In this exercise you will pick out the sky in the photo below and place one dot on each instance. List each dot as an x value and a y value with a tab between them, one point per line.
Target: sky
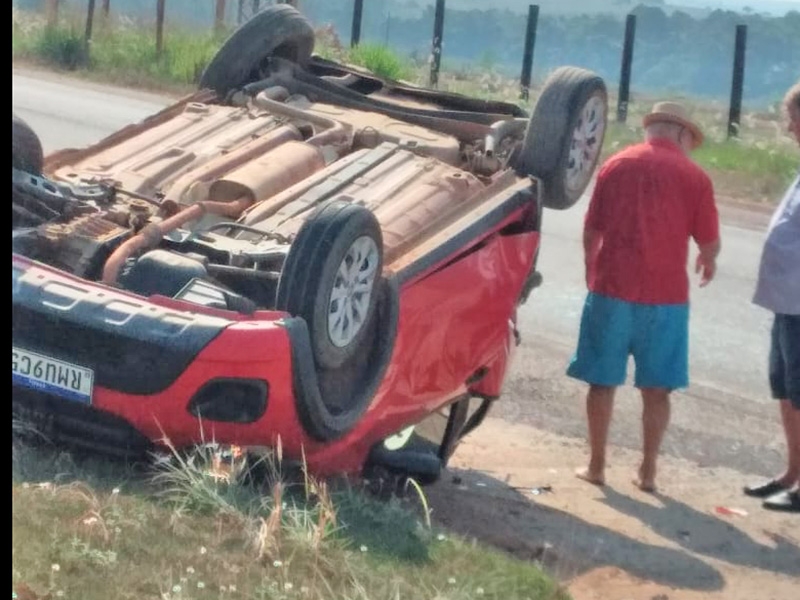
777	7
774	7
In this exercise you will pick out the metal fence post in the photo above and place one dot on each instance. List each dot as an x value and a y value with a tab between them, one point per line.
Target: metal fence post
355	30
737	85
438	31
219	16
160	27
52	12
527	56
625	73
87	38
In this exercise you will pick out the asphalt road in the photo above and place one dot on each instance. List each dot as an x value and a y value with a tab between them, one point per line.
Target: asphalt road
65	114
729	335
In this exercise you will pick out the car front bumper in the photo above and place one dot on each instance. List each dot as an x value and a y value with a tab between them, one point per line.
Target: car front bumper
98	367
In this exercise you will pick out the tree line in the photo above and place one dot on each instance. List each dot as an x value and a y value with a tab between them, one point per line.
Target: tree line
673	51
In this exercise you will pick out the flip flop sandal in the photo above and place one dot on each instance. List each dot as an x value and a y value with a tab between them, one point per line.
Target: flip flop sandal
764	490
785	501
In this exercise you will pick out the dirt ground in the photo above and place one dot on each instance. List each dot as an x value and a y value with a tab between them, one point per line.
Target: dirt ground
616	542
511	483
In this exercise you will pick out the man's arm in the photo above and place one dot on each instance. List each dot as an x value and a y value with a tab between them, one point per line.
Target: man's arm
592	240
706	232
593	225
707	261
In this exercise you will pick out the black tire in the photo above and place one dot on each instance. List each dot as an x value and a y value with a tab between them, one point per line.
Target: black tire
310	273
26	148
558	113
419	456
278	30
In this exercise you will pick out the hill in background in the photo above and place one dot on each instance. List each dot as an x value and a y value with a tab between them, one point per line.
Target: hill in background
775	8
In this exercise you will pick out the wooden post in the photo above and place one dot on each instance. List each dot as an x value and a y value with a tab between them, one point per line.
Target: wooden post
219	16
105	14
52	12
625	72
737	85
438	31
355	30
87	38
160	27
527	56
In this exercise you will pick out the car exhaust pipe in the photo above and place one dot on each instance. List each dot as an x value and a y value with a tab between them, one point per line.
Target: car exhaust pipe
334	134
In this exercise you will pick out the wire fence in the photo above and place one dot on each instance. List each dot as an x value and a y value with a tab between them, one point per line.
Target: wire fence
225	14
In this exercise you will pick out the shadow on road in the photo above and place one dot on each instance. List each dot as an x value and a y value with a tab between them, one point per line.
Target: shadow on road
706	534
483	507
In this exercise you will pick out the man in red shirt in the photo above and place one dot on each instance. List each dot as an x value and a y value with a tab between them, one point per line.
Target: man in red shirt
649	201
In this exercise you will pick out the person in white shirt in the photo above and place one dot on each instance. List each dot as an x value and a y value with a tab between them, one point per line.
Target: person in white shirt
778	290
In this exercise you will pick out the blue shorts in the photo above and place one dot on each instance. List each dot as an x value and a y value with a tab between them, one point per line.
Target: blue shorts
656	335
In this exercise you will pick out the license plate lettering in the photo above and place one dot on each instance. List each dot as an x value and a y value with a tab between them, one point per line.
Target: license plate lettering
51	375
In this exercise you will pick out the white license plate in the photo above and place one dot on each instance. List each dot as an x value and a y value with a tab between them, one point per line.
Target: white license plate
51	375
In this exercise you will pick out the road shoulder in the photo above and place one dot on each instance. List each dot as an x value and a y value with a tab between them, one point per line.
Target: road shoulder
616	541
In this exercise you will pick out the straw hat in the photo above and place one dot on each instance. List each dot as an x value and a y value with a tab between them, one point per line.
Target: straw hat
673	112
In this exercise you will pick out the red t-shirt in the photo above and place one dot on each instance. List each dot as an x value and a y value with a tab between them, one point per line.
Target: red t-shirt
649	200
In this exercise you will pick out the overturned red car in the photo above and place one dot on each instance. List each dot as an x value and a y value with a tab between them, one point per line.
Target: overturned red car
300	251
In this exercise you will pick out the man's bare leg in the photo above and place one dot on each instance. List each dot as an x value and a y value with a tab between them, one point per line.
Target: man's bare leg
599	406
655	418
791	425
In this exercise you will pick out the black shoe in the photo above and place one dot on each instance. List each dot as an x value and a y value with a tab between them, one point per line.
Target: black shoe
764	490
785	501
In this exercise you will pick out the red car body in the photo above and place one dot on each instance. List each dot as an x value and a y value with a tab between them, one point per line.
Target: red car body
372	244
443	339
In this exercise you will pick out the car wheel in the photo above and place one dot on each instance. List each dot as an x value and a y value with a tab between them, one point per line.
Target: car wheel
278	30
26	148
422	451
330	279
565	135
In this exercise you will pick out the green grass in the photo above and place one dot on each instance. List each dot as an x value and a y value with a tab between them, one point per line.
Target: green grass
184	57
90	529
759	170
122	53
380	60
755	166
63	47
750	157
